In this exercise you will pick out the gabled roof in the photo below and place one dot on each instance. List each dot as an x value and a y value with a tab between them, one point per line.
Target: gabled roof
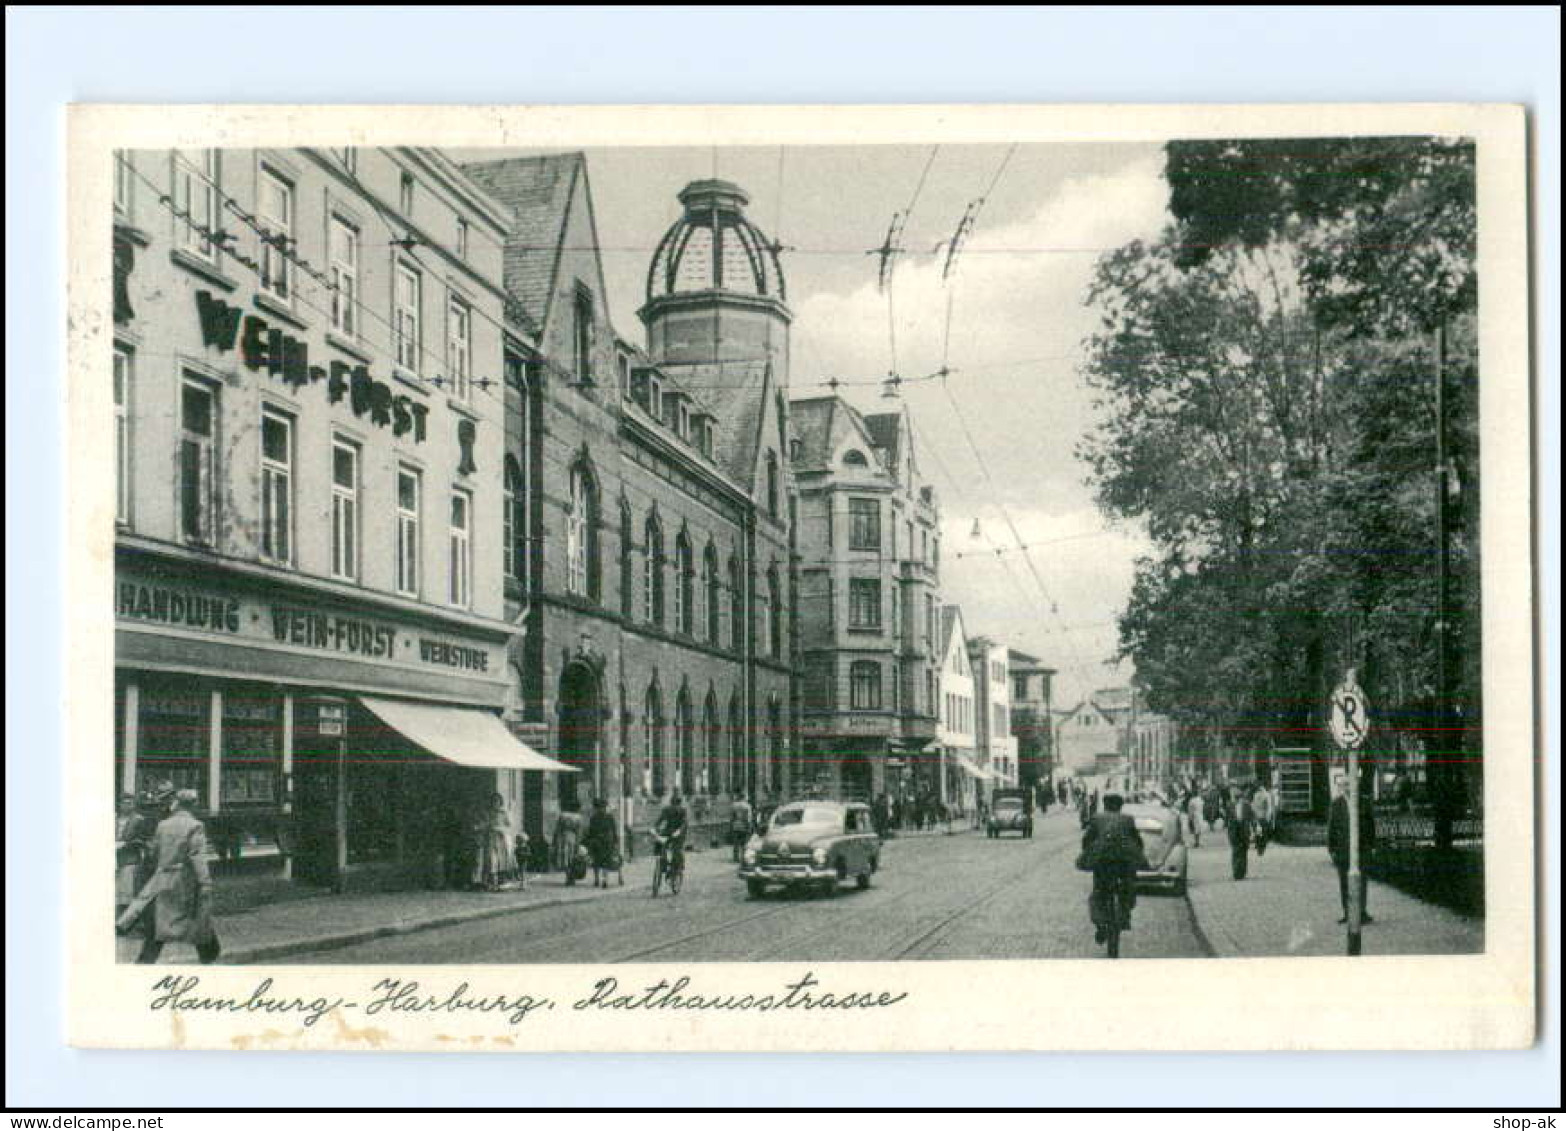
538	191
886	433
951	617
822	425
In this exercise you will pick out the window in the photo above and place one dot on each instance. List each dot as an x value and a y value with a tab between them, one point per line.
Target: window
624	362
405	316
461	544
908	531
999	725
855	458
582	534
736	606
277	486
684	744
409	490
626	584
459	348
252	729
463	229
582	338
343	270
864	685
774	613
122	182
345	510
709	587
864	524
864	602
275	212
195	200
772	484
198	461
652	582
405	196
122	446
738	785
513	520
710	777
652	721
685	585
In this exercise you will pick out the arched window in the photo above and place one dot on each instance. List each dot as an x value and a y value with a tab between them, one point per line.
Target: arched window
652	582
855	458
684	744
864	685
738	785
709	588
708	778
652	727
774	613
626	544
736	605
772	484
582	533
513	521
685	584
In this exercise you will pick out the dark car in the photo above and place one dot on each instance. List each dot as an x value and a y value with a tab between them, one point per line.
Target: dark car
814	844
1009	815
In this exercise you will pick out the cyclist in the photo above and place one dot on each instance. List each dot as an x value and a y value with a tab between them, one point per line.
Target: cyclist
669	836
1113	850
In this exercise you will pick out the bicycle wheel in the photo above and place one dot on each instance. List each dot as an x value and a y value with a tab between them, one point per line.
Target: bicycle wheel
676	880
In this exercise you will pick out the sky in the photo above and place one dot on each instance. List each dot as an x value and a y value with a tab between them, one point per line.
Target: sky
1017	322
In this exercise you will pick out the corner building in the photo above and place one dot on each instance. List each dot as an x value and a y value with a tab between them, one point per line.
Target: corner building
649	547
309	626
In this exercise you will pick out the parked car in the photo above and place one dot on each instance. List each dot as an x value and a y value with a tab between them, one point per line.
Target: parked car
1009	814
815	844
1164	843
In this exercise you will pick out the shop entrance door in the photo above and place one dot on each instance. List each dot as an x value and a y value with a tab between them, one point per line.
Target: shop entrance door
320	836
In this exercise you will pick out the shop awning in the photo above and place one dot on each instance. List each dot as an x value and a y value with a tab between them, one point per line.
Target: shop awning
464	735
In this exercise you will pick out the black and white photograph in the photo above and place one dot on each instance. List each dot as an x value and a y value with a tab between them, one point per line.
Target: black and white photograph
790	553
840	573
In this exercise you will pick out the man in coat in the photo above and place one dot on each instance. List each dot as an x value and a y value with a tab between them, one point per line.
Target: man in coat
176	903
1113	850
1338	845
1264	808
1240	824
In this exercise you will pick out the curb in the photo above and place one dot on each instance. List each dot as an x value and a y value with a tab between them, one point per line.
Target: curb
271	952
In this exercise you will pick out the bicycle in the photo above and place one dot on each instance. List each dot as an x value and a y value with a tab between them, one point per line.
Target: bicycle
665	869
1113	904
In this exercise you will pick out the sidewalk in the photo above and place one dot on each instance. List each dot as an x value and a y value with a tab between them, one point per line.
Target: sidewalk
324	921
1288	905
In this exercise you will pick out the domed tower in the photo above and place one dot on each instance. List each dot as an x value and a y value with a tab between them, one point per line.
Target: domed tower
715	290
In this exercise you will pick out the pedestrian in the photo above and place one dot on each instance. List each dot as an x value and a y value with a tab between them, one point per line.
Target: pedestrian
1212	807
1240	824
1338	846
493	859
1112	850
602	840
1193	811
175	904
133	829
882	814
741	820
568	837
1265	810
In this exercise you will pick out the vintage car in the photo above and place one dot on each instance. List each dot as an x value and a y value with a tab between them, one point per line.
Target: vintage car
1009	814
814	844
1164	843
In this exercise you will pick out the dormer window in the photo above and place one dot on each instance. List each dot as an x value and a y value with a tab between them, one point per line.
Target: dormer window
625	376
654	402
682	419
855	458
796	448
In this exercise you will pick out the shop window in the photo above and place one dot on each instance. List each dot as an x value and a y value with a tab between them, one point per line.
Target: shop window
275	214
410	489
198	461
252	749
345	510
277	486
174	739
461	549
343	270
122	445
864	524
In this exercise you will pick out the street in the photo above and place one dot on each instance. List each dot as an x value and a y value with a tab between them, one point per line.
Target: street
935	897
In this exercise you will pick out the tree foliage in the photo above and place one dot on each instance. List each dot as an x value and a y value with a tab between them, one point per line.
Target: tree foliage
1265	379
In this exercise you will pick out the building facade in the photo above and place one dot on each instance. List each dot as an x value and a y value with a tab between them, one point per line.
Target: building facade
1032	720
650	553
869	574
995	744
309	620
958	730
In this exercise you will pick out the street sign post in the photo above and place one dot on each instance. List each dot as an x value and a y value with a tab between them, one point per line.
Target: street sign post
1349	721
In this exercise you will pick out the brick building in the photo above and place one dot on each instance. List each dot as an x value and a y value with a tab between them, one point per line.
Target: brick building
649	551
